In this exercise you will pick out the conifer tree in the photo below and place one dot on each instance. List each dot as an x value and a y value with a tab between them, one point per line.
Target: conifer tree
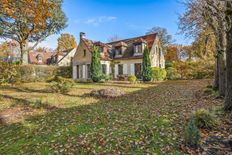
95	67
146	71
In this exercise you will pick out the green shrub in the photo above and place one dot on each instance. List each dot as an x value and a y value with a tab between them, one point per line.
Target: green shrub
146	65
32	73
132	79
208	91
106	77
64	71
158	74
191	133
172	74
204	119
37	104
61	85
168	64
95	67
8	73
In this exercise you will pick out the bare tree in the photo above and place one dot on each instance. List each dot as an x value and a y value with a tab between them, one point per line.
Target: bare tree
113	38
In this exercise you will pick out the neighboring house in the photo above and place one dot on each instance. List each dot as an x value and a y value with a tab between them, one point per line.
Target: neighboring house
65	58
120	58
41	58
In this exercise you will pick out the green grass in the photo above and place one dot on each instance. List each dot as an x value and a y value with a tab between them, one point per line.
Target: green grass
148	119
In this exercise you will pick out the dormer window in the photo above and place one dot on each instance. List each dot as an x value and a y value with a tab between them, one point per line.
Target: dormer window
118	51
138	49
84	53
39	59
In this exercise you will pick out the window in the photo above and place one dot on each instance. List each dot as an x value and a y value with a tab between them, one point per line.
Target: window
78	75
103	68
139	48
88	71
101	49
118	51
120	69
39	59
84	54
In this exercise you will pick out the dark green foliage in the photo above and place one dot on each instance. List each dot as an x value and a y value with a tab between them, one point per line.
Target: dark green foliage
172	74
208	91
147	70
204	119
191	133
106	77
95	68
168	64
158	74
64	71
61	85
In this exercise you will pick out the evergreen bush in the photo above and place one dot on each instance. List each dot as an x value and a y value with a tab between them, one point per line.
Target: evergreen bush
147	70
191	133
61	85
95	68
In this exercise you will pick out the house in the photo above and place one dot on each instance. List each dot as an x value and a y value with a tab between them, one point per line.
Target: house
41	57
65	58
119	58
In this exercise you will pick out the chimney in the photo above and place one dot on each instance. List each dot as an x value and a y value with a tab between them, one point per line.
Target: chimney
82	35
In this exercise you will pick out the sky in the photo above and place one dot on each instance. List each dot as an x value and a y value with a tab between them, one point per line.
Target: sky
101	19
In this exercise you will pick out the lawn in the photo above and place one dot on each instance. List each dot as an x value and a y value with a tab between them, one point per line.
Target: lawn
148	119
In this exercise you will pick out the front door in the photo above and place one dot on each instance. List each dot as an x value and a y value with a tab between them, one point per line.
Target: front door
138	70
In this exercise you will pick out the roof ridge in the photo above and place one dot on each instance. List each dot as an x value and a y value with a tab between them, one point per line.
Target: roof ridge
131	38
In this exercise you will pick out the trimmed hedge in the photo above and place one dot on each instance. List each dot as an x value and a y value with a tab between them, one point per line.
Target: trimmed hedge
33	73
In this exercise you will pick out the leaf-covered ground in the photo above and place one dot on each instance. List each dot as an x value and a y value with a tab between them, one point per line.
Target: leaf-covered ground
148	119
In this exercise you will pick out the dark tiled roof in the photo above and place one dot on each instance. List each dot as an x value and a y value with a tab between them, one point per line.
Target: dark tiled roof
127	43
46	57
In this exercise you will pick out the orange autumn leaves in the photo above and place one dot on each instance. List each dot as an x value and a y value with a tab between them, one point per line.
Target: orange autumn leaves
35	11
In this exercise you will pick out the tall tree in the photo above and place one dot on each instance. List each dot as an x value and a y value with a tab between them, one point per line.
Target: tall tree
172	53
228	19
165	38
95	67
146	70
113	38
65	42
30	21
199	17
217	15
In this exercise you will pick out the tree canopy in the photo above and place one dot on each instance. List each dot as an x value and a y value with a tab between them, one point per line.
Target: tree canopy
165	38
30	21
65	42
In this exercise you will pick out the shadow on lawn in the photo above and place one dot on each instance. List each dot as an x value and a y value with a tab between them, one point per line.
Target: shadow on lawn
28	90
26	103
85	128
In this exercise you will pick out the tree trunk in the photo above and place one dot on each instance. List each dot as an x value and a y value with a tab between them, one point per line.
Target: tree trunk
221	62
216	75
228	98
24	53
222	80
